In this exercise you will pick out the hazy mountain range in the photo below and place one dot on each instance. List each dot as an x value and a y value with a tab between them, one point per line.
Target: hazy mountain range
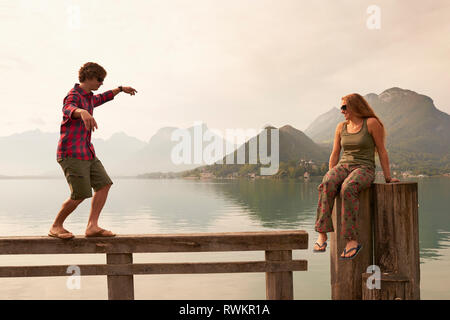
34	153
293	145
418	134
417	131
412	122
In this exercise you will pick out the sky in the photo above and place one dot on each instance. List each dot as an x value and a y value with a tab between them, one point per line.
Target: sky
230	64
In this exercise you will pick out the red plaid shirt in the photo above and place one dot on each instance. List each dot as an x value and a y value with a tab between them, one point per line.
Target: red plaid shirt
75	140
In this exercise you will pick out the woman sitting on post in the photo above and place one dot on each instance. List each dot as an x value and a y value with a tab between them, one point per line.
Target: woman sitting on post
359	136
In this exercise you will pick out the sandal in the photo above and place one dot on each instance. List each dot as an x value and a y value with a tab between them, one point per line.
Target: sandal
357	248
324	245
62	235
101	233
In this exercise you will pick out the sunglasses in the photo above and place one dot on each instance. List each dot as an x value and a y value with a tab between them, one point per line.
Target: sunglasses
100	79
344	107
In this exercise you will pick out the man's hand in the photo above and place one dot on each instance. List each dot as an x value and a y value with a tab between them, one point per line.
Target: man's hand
129	90
89	121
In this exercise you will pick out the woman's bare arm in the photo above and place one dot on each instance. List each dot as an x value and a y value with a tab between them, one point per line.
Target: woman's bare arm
376	130
334	157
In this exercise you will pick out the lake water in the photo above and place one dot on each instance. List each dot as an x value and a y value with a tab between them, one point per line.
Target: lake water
28	207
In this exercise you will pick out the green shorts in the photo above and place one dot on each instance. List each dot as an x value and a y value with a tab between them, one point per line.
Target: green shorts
82	175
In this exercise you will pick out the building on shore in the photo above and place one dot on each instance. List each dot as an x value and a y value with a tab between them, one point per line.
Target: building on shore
206	175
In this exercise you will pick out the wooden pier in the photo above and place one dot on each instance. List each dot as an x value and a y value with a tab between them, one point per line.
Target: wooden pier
388	230
278	264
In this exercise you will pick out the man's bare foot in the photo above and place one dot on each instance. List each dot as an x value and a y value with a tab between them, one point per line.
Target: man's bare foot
350	244
98	232
320	240
60	232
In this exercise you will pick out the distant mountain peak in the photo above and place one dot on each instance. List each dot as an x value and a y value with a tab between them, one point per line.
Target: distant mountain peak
398	90
397	93
122	137
289	128
166	130
119	134
28	132
332	110
412	121
371	95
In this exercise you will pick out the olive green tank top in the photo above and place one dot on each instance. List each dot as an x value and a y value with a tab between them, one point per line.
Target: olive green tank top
359	147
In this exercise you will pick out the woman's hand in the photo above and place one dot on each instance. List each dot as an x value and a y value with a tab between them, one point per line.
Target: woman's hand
392	180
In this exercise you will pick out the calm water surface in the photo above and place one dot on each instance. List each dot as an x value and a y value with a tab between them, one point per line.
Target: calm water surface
28	207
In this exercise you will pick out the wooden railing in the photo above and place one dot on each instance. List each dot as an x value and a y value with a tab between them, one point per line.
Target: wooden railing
278	264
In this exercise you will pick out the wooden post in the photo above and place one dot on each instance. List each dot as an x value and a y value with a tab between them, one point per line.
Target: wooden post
346	278
396	235
120	287
279	285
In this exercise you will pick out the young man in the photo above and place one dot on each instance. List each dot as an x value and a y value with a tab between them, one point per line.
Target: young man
76	154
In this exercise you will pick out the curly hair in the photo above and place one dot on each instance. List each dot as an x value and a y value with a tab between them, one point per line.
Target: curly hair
91	70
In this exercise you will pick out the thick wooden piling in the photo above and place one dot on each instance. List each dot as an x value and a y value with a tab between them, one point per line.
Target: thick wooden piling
388	231
396	235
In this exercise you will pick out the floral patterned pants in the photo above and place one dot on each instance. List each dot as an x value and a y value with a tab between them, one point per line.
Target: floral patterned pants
352	179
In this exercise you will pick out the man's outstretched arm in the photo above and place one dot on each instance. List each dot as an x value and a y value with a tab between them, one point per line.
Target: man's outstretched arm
128	90
87	118
101	98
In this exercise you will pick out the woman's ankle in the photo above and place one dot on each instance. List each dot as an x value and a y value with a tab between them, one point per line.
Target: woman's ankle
323	236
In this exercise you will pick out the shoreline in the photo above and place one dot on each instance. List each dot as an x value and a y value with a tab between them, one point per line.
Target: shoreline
446	175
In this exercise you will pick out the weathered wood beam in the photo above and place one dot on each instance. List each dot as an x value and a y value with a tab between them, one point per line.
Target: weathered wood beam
189	242
156	268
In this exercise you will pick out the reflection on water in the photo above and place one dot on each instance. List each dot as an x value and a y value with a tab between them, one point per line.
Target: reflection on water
28	207
434	220
275	204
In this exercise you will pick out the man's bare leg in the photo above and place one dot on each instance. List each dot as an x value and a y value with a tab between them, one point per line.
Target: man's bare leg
98	201
67	208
